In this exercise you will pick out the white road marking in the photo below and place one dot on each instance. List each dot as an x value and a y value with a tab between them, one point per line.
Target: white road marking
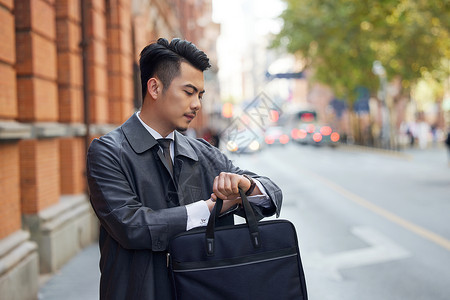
381	250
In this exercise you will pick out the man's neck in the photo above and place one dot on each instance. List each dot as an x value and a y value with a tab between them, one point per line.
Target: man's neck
153	131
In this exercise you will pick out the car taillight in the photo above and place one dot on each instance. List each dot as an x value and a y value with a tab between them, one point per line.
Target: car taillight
325	130
295	133
317	137
302	134
284	139
335	137
269	140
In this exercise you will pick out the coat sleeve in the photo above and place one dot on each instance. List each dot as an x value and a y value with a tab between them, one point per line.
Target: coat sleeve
118	208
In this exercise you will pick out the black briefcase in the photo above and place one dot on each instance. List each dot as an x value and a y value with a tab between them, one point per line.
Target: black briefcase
256	260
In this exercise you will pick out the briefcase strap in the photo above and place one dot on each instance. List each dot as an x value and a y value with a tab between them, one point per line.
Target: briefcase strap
250	218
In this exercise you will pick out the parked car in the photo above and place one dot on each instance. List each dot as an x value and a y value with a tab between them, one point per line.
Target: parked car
244	141
308	131
276	136
303	133
325	135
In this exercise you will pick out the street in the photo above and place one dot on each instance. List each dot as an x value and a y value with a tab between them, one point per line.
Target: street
371	225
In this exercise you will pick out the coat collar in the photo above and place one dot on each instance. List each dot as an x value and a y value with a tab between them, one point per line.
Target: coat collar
141	140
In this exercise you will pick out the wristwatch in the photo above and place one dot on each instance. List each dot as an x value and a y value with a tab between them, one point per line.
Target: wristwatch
252	185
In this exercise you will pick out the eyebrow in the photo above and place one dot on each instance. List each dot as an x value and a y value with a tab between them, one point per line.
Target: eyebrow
194	88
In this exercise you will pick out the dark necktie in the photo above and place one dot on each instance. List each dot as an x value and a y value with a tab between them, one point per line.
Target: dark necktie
165	145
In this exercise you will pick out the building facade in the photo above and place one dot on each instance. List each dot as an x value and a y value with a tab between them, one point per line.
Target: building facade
68	73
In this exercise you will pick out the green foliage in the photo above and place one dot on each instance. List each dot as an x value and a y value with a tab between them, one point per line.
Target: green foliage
340	40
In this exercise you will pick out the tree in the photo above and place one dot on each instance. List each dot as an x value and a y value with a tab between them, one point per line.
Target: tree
340	40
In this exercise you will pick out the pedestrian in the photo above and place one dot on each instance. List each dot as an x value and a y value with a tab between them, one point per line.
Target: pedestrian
447	142
148	182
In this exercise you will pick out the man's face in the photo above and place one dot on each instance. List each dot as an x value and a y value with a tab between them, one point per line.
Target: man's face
180	102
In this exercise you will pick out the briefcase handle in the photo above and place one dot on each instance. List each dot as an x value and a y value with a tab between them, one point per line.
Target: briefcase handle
250	218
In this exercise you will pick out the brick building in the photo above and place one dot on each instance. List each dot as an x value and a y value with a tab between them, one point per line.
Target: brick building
68	73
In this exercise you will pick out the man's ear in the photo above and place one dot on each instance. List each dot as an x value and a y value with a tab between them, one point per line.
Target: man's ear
154	87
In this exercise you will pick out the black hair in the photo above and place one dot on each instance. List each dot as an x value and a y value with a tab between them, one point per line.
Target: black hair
163	59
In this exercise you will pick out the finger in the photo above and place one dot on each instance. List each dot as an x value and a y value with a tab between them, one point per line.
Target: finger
221	184
235	183
228	184
225	185
218	187
215	183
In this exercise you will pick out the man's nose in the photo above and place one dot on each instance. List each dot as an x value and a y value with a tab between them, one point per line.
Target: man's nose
196	104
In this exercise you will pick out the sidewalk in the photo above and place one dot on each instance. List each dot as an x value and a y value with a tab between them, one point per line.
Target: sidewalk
434	154
78	279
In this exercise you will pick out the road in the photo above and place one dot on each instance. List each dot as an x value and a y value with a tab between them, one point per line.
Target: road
371	225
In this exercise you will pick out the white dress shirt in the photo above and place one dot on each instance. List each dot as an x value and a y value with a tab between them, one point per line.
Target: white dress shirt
198	212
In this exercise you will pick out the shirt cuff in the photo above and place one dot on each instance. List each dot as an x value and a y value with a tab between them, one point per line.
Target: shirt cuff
197	214
260	187
260	200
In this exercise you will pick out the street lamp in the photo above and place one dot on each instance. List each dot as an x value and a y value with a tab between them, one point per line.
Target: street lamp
380	71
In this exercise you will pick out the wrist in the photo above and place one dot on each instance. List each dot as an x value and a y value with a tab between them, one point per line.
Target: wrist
210	204
252	185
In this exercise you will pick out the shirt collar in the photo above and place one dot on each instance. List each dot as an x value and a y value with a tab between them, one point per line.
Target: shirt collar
183	146
156	135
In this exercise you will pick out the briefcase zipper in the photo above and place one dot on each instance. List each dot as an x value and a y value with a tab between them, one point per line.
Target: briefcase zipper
235	265
178	267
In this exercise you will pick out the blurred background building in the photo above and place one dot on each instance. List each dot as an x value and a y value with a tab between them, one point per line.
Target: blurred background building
68	73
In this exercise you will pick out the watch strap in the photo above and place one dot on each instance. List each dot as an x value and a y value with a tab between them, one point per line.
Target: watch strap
252	185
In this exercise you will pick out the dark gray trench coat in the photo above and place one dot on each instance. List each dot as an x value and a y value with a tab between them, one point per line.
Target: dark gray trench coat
136	201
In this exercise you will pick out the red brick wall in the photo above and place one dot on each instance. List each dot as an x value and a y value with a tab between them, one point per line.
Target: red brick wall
36	60
37	99
10	220
39	174
97	61
120	61
41	80
8	102
72	165
70	72
9	4
9	189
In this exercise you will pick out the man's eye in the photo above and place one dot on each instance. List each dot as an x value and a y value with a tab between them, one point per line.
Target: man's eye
189	93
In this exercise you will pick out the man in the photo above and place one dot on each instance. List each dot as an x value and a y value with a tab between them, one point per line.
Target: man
145	190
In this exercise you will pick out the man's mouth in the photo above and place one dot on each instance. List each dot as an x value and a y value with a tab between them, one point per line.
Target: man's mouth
190	116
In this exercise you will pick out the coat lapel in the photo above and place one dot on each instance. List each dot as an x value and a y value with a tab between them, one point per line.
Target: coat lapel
183	148
186	170
140	139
